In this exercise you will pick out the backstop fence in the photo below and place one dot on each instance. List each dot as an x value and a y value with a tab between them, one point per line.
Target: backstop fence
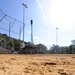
10	26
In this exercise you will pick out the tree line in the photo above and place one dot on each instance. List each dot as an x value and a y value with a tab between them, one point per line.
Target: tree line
8	42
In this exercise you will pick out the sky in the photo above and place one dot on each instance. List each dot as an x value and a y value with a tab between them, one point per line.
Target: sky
46	16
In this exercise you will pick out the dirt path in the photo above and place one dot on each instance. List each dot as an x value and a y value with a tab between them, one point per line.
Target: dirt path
45	64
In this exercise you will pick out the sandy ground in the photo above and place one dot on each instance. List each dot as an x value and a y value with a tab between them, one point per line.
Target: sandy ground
45	64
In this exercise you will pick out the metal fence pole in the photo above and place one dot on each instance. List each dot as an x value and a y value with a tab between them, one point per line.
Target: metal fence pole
9	33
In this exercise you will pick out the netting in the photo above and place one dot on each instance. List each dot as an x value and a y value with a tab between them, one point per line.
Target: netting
9	23
2	15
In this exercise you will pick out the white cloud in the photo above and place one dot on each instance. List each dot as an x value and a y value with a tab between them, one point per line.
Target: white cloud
37	40
36	37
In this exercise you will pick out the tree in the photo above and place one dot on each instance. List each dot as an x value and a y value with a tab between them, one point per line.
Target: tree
64	50
42	48
52	49
70	49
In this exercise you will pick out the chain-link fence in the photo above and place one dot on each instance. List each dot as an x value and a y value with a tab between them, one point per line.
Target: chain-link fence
10	26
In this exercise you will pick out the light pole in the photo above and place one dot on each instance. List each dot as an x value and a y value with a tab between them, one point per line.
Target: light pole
32	31
56	36
56	39
24	5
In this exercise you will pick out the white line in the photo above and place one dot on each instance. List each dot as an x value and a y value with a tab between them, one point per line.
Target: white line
41	10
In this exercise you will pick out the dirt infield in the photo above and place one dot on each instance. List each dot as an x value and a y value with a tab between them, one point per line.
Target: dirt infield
38	64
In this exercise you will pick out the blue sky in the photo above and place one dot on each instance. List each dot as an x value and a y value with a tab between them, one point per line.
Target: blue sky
46	16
